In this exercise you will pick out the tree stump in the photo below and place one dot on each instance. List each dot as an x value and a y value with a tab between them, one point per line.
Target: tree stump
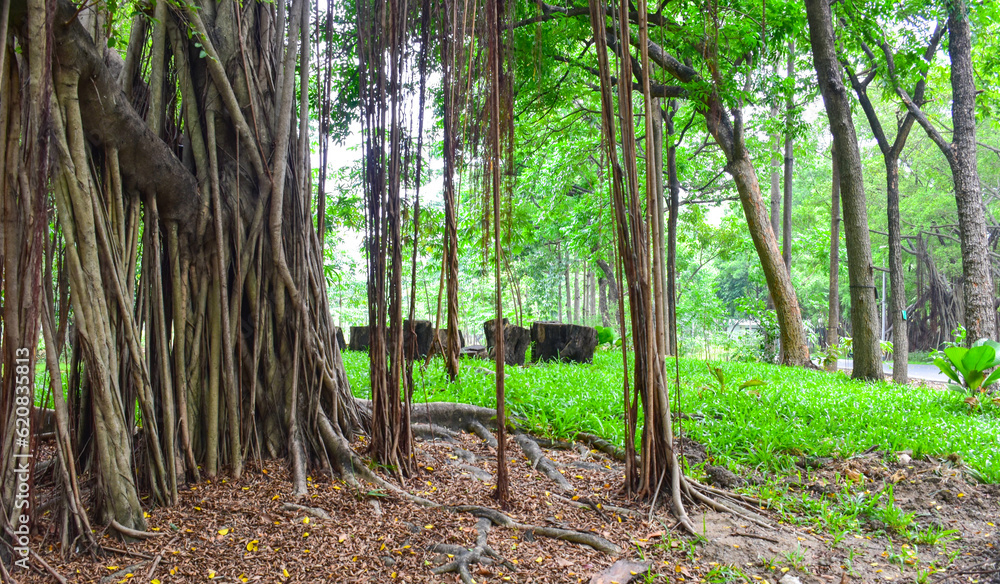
515	340
443	337
339	332
555	341
360	338
424	331
474	351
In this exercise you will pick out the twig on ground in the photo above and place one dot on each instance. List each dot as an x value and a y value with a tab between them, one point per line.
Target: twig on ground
47	567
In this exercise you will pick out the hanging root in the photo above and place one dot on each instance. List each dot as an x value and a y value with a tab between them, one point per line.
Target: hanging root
466	558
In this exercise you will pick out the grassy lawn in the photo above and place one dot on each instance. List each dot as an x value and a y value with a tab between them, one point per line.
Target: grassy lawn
765	427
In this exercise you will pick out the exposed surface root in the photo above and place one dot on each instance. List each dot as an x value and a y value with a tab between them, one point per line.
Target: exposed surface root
540	461
598	443
479	420
311	511
466	558
483	432
133	533
434	432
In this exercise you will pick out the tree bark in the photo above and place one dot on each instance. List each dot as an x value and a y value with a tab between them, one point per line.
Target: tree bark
673	207
775	173
833	316
864	315
980	314
612	285
786	221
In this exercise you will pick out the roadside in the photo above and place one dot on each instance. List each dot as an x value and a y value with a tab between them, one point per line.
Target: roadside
914	371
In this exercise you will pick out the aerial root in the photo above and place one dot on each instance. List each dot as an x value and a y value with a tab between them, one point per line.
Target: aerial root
466	558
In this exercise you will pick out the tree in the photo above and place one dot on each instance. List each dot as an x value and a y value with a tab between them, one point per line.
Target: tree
719	99
980	312
890	155
833	296
235	375
864	316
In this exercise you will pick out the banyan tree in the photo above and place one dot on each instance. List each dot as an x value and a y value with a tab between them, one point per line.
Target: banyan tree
158	235
156	220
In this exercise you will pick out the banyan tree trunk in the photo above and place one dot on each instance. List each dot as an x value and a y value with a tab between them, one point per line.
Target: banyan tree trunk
187	166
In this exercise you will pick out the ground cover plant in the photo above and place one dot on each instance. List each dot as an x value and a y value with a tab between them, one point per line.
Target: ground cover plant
797	412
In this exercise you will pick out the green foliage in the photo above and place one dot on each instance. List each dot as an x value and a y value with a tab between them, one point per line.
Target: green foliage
763	342
967	367
810	413
605	335
834	352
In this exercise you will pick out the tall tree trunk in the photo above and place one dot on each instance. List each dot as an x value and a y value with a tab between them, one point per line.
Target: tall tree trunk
980	314
612	287
602	284
786	222
569	292
657	226
729	135
673	207
833	316
576	296
864	314
450	66
890	156
775	170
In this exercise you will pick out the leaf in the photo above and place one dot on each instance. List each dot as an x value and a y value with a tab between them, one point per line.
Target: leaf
947	369
956	355
342	538
252	545
979	358
752	383
211	574
285	572
973	402
992	379
223	531
202	54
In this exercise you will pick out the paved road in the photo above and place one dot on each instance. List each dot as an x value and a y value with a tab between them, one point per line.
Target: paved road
915	371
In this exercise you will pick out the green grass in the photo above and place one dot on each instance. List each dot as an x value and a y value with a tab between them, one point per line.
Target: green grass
922	357
765	427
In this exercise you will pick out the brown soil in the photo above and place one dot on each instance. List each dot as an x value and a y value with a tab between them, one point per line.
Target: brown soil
242	531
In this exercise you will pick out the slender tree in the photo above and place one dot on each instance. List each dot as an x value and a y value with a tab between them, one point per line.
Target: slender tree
864	316
980	313
833	312
890	157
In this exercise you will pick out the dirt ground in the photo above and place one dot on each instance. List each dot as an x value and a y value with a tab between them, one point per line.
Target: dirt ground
246	531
